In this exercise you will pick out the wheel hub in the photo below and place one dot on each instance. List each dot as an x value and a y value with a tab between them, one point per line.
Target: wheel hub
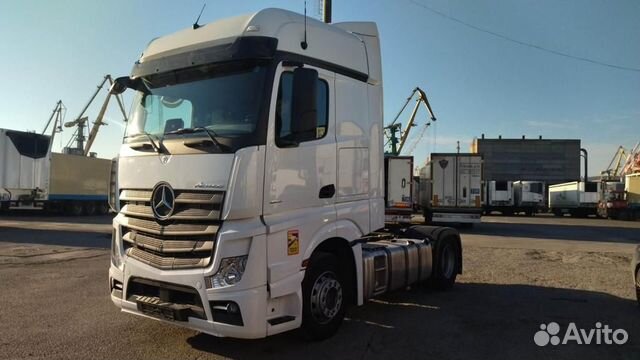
326	297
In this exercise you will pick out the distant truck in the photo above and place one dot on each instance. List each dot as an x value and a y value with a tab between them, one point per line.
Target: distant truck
450	188
577	198
32	177
528	196
620	200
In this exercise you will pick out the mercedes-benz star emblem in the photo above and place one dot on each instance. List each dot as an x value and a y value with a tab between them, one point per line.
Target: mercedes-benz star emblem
163	201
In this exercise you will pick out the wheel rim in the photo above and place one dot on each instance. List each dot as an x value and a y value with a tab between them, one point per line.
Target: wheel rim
326	297
448	262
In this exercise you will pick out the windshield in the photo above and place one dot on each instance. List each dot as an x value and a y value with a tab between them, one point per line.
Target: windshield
225	99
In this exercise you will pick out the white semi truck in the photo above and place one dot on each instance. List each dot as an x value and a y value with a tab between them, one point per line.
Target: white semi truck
250	184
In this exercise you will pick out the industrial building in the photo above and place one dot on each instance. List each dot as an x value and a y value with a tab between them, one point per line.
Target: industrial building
550	160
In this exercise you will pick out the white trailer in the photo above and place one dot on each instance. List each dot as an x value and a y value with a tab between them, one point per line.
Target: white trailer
34	178
399	189
251	183
577	198
450	188
499	197
528	196
24	167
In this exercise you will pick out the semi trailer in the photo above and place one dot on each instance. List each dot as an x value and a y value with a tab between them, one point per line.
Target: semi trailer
577	198
450	188
250	186
34	177
528	197
499	197
399	194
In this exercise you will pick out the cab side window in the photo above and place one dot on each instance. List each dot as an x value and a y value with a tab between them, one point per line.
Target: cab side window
283	108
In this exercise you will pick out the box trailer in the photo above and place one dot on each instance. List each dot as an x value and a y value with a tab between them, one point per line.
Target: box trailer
399	189
528	196
499	197
577	198
451	188
33	177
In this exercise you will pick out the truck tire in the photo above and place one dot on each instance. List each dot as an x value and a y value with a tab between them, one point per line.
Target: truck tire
74	208
103	208
89	208
445	264
323	297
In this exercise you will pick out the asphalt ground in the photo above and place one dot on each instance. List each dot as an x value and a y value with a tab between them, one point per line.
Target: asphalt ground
519	273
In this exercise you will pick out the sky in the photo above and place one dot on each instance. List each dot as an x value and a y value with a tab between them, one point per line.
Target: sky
477	81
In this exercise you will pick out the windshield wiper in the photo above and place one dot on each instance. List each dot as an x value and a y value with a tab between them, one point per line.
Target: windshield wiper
212	134
155	146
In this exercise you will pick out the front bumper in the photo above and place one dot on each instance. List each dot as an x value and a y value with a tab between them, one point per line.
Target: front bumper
252	303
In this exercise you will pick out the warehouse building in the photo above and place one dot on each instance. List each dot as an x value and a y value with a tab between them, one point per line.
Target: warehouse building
550	160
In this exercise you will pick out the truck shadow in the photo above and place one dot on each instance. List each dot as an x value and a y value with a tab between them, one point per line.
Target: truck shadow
50	216
58	237
473	321
614	234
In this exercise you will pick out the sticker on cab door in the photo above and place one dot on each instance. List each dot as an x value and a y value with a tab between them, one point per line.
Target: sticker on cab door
293	242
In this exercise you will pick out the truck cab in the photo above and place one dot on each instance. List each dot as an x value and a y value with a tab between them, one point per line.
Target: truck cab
251	178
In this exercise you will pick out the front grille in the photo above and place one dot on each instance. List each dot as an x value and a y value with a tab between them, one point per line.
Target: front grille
185	240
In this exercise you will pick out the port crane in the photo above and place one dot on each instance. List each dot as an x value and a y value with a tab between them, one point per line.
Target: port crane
81	121
391	131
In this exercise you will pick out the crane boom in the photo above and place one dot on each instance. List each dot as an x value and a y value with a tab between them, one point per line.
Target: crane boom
398	145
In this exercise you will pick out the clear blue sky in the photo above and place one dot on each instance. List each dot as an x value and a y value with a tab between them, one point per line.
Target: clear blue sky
477	83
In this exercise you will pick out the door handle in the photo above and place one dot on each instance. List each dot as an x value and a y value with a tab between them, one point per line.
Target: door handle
327	191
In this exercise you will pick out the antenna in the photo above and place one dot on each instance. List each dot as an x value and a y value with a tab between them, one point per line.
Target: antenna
304	44
195	24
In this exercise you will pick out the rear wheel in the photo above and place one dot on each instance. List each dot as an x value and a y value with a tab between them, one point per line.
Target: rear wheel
445	264
89	208
103	208
74	208
323	295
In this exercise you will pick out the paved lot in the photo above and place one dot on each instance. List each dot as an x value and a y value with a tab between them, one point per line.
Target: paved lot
519	272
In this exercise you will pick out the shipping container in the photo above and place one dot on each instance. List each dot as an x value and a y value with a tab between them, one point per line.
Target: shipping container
577	198
451	188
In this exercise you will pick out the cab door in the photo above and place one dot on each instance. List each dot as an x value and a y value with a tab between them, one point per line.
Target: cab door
300	179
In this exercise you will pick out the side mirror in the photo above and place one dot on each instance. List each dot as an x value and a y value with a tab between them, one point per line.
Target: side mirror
123	83
304	107
120	85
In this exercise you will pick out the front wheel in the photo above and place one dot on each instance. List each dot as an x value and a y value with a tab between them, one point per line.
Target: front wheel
445	265
323	295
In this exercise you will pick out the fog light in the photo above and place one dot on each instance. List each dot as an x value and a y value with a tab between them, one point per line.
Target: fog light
229	273
233	308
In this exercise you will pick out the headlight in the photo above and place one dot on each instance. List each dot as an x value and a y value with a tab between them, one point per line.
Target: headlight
115	251
229	272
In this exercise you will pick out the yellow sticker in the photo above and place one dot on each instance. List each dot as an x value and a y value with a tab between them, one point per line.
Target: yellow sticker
293	242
